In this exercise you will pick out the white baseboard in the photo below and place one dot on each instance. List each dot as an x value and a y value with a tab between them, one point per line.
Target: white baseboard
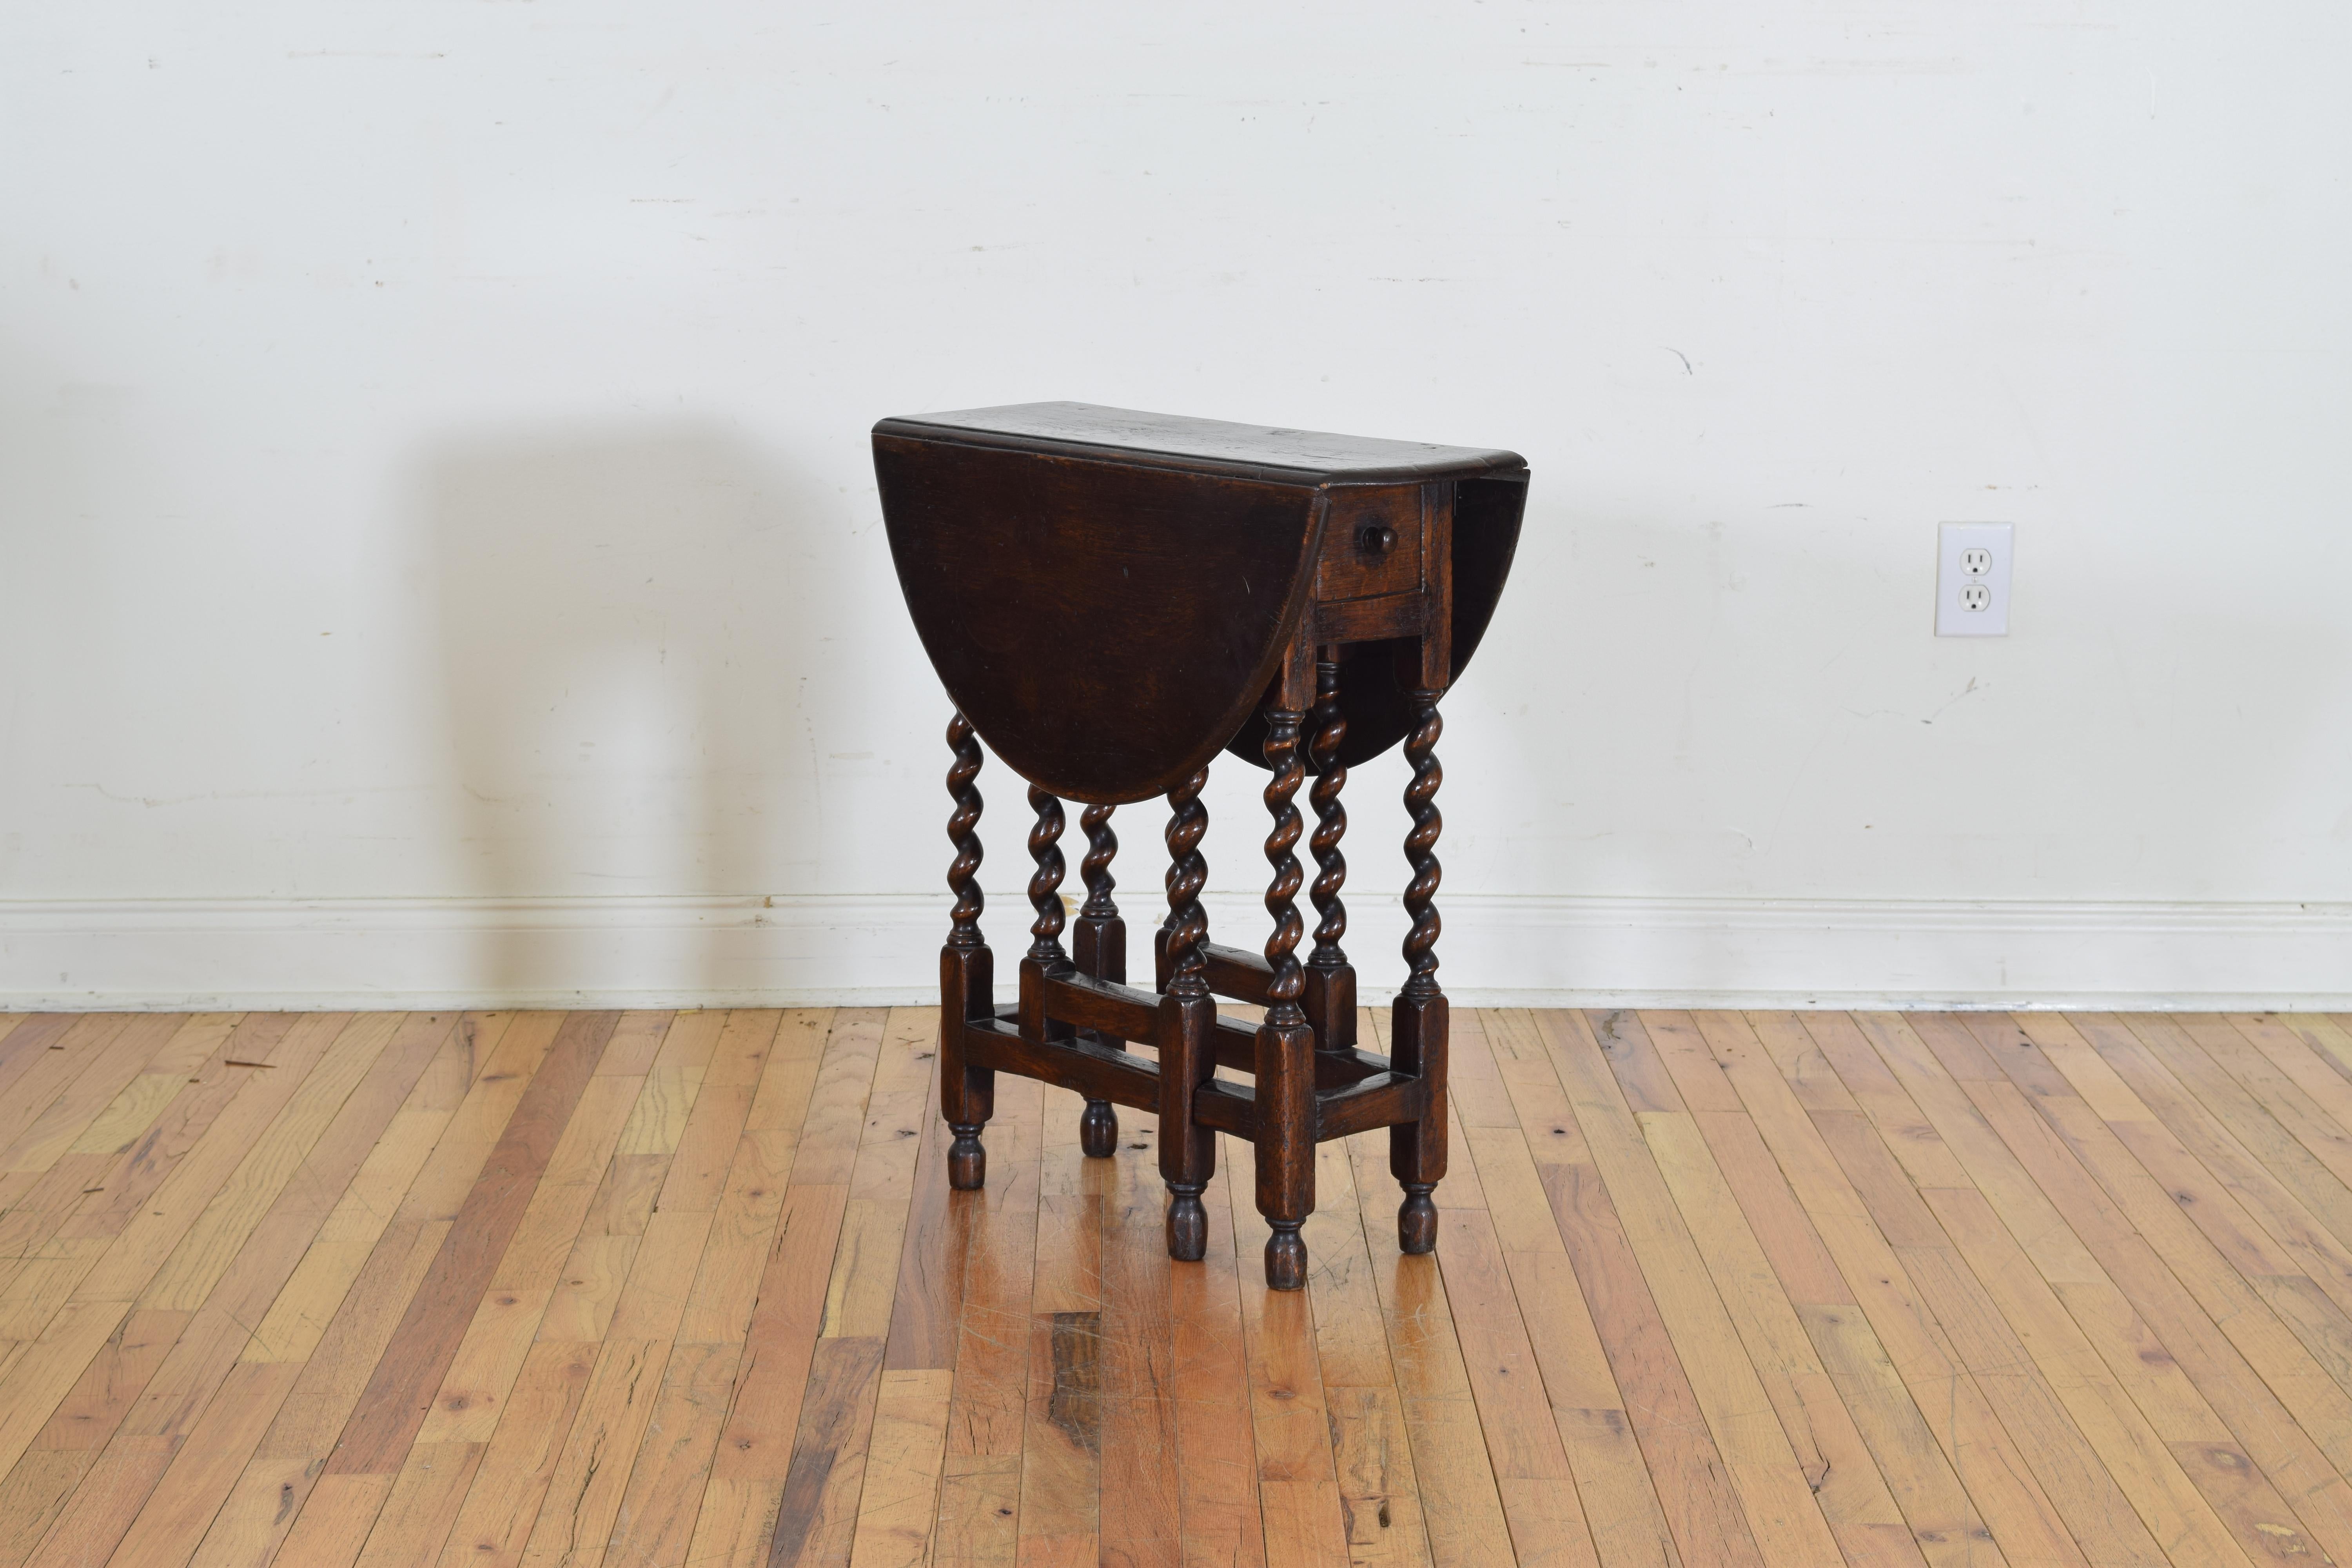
666	952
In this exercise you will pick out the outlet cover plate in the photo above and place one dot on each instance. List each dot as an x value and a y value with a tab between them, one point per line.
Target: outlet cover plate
1972	560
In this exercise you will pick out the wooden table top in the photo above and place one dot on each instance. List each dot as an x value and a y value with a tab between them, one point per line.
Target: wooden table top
1106	593
1311	456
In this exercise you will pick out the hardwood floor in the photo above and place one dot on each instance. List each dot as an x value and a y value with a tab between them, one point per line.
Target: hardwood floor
635	1289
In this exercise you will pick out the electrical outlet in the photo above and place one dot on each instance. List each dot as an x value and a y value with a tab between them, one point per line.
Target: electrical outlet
1972	560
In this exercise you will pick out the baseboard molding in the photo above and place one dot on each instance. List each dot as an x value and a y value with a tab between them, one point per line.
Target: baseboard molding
667	952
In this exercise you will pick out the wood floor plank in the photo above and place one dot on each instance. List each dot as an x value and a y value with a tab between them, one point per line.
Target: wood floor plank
1488	1255
1532	1473
35	1041
2066	1462
422	1348
40	1077
1891	1333
1845	1475
1853	1494
1695	1485
1380	1495
421	1507
1462	1501
493	1525
862	1299
864	1121
199	1036
210	1400
107	1071
1223	1521
1293	1435
2220	1335
2328	1037
2201	1398
336	1519
660	1506
1141	1495
737	1524
583	1492
227	1242
788	1313
2135	1453
2295	1145
1780	1503
2291	1362
1060	1511
934	1249
2267	1238
470	1403
2291	1056
339	1307
655	1523
1949	1290
781	1335
177	1186
1299	1487
899	1503
999	1241
815	1056
816	1517
104	1206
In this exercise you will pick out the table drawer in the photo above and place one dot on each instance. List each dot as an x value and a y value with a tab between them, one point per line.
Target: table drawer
1371	545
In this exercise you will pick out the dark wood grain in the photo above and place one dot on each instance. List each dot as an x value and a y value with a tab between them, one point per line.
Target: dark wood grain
1330	997
1099	950
1011	526
1212	446
818	1514
1109	598
1237	972
970	528
1096	1072
967	971
1418	1023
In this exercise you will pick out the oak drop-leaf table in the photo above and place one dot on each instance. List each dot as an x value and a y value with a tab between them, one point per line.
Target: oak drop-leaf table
1110	599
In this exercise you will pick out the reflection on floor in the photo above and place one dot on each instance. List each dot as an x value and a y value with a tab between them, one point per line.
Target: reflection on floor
1767	1288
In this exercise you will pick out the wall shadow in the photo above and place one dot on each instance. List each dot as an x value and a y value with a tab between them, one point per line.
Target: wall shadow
629	621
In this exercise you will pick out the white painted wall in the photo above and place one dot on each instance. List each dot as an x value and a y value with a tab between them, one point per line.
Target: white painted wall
438	555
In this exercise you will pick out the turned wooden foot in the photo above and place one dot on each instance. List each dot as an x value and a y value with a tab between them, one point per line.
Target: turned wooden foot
1188	1225
1098	1130
967	1159
1417	1221
1285	1260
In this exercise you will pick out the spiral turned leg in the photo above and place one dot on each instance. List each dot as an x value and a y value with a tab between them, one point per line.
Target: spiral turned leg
1331	995
1286	1045
967	985
1045	882
1097	1129
1418	1026
1099	945
1098	916
1186	1026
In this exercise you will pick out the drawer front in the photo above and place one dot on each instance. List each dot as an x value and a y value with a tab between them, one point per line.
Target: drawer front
1371	545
